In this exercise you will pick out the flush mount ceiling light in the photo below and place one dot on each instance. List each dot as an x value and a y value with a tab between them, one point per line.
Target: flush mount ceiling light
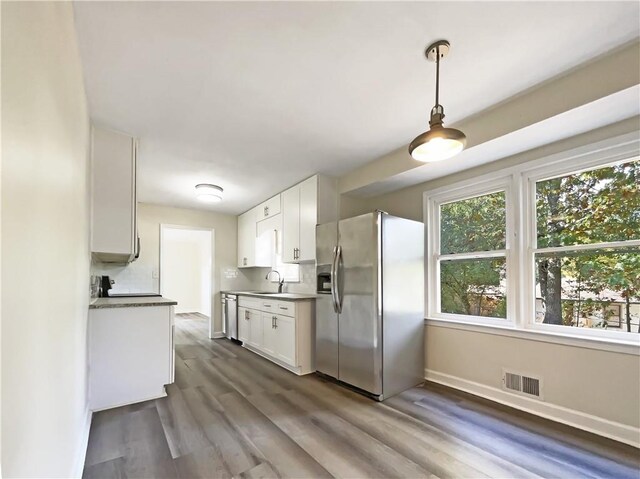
438	143
208	193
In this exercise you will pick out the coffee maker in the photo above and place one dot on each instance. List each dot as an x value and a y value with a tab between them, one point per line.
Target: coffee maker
105	286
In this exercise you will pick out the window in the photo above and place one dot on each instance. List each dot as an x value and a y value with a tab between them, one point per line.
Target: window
587	256
552	246
469	256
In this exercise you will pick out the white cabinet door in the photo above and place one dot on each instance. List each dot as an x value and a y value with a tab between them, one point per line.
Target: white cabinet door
285	342
243	325
256	333
269	208
113	209
291	224
267	239
246	239
308	219
269	339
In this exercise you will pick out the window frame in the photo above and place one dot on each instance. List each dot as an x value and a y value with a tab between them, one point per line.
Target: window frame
433	256
519	183
530	178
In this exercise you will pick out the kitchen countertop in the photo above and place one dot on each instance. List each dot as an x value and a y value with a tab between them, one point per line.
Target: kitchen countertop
100	303
283	296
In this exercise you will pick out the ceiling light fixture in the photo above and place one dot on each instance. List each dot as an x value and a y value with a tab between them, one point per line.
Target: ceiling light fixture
208	193
438	143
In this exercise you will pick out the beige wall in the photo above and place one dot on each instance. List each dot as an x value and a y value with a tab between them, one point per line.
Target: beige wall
45	242
599	383
139	274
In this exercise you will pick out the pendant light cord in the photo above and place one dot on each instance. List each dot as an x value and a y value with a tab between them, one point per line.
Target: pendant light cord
437	76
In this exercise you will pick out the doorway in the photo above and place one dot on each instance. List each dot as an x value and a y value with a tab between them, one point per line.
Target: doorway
186	269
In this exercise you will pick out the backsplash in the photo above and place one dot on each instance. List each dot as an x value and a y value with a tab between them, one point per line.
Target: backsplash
132	278
307	284
139	277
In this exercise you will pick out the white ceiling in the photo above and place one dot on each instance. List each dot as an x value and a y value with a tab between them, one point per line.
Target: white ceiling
256	96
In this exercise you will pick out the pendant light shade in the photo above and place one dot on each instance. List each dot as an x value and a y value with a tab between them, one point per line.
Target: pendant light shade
439	143
208	193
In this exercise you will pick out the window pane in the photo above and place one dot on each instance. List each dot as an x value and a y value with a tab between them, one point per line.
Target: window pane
594	289
592	207
474	287
474	224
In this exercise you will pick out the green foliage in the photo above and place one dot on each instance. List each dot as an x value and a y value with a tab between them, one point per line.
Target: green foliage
596	206
475	224
473	287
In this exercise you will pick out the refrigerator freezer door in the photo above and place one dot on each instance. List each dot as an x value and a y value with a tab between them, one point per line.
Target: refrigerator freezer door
360	349
326	317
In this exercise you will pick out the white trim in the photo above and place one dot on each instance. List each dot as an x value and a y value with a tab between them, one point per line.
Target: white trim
218	335
518	182
432	202
587	247
81	455
597	343
587	422
499	253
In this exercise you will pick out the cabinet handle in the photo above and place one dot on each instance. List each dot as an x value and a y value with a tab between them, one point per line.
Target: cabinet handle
244	261
275	322
266	211
266	305
283	308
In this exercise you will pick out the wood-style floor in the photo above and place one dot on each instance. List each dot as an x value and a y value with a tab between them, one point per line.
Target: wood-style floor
232	413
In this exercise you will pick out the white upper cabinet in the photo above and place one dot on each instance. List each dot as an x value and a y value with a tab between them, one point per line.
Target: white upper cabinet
114	235
291	216
290	224
253	251
312	202
269	208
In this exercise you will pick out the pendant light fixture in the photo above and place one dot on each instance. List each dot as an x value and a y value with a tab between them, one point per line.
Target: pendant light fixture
208	193
438	143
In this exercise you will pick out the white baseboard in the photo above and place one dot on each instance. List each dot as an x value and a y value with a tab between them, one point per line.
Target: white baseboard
587	422
84	444
218	335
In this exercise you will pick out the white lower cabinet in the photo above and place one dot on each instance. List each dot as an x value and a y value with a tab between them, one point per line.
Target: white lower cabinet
243	324
270	337
131	354
285	339
283	331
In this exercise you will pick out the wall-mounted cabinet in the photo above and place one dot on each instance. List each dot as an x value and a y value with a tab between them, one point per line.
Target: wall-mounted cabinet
254	250
269	208
114	237
312	202
293	215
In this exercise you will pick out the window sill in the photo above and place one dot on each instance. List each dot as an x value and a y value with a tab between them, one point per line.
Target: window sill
602	344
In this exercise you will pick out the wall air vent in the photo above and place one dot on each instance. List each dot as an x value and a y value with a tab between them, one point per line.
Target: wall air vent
522	384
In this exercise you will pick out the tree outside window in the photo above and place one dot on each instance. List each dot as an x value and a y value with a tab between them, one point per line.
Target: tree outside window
585	268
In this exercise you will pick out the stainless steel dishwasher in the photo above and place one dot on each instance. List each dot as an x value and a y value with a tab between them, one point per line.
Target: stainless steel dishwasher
231	315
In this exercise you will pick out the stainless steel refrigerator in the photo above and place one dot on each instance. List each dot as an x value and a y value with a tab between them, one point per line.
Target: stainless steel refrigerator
369	310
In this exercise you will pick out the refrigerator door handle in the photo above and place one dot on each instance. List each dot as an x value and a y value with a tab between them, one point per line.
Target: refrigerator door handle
338	280
334	290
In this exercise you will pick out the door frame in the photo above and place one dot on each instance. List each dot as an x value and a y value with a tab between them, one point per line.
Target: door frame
163	228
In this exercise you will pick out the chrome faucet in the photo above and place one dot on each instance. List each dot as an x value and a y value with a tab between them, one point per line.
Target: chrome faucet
280	279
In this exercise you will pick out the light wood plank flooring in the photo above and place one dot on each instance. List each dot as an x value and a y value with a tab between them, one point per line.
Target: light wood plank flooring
232	413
